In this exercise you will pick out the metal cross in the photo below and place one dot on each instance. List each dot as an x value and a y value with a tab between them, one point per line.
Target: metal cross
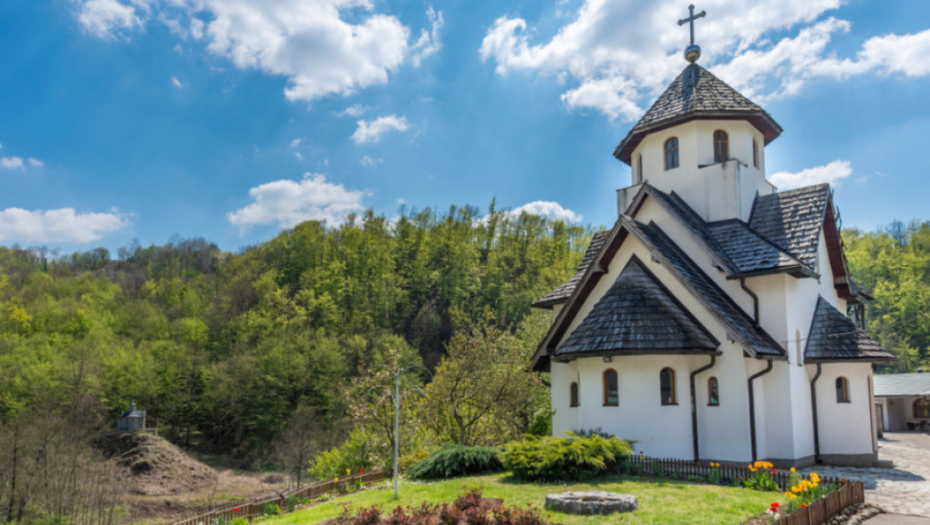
691	19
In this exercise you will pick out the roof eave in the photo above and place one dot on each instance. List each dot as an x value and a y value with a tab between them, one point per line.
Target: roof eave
564	358
760	119
863	359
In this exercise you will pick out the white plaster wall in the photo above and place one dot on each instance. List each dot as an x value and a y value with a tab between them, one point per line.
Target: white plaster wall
845	428
565	416
716	191
897	409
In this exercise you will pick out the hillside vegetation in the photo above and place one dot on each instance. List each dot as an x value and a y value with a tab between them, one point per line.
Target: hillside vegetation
226	346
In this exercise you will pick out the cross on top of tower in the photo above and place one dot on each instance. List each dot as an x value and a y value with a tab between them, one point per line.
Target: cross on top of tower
692	52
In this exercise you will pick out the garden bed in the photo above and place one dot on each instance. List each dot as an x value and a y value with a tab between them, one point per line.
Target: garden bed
661	501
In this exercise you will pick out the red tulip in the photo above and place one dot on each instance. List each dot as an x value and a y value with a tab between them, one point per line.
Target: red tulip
236	509
361	471
803	506
773	471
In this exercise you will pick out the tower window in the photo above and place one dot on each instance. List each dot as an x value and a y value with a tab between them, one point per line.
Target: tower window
755	153
611	397
671	153
721	146
667	386
639	170
842	390
713	392
574	394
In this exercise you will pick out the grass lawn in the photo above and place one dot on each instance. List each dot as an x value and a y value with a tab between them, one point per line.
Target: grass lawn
665	502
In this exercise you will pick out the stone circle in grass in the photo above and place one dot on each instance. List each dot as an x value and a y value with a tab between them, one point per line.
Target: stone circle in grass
587	503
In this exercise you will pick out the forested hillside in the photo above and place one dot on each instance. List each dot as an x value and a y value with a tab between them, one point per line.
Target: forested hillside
225	346
894	265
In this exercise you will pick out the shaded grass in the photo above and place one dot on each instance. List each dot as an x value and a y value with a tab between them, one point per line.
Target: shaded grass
661	501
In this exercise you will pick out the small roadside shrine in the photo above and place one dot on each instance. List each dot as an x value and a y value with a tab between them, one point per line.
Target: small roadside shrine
131	420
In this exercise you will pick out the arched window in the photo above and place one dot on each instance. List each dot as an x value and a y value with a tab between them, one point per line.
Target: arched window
842	390
639	170
721	148
713	392
755	153
671	153
574	394
667	386
611	398
922	408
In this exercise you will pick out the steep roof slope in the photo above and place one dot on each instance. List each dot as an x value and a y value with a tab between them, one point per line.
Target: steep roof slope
696	93
750	252
637	315
834	337
792	220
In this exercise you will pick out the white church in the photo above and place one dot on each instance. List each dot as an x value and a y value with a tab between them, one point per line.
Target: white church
717	320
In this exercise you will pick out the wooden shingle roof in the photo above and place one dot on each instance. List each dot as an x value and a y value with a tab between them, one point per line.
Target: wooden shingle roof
750	252
793	219
637	315
739	325
696	94
834	337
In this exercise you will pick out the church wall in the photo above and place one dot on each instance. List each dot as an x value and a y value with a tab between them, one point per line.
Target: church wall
564	417
845	428
663	431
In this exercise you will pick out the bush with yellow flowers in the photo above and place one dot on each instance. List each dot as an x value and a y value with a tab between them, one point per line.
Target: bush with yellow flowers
762	476
804	491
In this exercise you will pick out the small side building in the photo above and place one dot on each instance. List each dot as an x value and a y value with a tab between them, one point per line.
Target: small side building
131	420
903	400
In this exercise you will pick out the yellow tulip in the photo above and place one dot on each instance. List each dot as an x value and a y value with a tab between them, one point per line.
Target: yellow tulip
792	470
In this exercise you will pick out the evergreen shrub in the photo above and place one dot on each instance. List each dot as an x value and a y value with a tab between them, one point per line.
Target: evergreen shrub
456	460
574	457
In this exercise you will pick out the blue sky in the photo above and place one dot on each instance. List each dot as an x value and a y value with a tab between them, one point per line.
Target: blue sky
235	119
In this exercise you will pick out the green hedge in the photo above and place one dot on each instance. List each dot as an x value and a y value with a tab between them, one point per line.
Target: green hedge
560	459
456	460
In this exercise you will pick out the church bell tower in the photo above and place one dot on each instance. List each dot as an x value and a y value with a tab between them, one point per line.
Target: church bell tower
702	140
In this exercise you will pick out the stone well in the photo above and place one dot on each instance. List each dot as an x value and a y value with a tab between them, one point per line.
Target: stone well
599	502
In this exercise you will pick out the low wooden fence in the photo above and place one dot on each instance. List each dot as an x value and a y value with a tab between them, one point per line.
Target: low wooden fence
256	508
821	511
683	468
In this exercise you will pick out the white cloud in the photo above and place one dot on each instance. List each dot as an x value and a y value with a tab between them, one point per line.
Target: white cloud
369	132
355	110
369	162
548	209
298	155
428	43
287	203
11	163
108	18
831	173
322	47
176	83
62	225
616	56
295	143
36	163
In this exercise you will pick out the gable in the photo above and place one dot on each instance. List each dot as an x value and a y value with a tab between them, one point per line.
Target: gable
637	315
660	248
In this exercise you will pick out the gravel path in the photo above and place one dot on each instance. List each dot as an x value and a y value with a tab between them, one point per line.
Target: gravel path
904	489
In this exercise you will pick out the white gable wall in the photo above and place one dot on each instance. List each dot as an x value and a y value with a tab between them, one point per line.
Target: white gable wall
845	428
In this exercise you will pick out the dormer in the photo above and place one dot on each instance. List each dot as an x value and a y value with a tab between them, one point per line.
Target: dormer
703	141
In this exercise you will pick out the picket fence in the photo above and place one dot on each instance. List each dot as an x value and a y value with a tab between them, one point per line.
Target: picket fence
684	468
821	511
255	508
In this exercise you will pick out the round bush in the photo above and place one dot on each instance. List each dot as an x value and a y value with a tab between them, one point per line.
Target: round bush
456	460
